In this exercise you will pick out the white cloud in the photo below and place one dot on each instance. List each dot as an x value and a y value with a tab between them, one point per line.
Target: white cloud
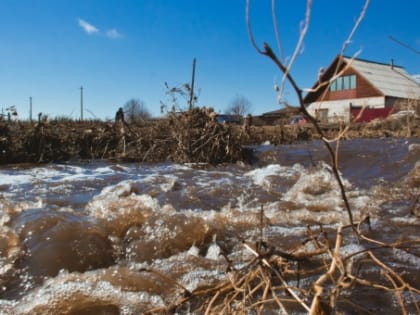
113	33
87	27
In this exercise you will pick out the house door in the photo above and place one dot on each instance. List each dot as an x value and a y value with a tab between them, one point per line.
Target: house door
323	115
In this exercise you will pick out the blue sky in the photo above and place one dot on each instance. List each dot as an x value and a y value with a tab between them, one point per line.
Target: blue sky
123	49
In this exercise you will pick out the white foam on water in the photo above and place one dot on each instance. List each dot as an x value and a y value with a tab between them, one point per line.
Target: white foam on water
7	307
166	182
414	147
119	198
360	199
193	271
59	294
200	277
259	176
77	174
4	213
351	249
287	230
14	180
114	192
47	172
46	179
169	184
212	178
9	207
209	183
159	230
116	167
408	220
406	258
317	187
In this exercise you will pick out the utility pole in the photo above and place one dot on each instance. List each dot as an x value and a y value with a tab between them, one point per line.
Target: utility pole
81	103
30	108
192	85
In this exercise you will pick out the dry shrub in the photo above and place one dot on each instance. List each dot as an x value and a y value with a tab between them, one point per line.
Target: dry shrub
386	124
317	277
200	138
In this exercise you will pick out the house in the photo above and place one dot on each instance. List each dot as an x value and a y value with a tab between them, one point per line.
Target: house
349	85
278	117
229	119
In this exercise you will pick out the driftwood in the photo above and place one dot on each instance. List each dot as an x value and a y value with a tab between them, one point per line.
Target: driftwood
192	136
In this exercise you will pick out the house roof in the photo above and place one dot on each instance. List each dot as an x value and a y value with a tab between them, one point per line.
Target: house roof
282	112
391	80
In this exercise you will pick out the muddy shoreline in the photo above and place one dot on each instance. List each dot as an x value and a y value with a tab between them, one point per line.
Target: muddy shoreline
191	137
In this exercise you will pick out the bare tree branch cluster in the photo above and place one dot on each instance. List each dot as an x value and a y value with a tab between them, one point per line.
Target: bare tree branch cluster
316	277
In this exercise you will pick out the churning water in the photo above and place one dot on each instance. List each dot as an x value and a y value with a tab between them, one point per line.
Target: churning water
76	238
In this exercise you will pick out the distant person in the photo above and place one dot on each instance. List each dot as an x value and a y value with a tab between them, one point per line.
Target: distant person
249	117
119	116
247	123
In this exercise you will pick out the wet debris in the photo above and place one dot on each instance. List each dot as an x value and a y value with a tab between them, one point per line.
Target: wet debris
194	136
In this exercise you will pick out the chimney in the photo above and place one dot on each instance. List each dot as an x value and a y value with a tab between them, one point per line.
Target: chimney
392	64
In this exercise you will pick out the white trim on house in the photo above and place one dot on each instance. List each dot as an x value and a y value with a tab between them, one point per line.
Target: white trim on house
339	110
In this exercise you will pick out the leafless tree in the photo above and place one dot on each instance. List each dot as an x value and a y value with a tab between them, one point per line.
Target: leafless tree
239	106
135	111
176	96
285	67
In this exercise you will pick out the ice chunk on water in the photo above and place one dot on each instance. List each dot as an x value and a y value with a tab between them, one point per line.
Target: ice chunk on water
214	250
193	251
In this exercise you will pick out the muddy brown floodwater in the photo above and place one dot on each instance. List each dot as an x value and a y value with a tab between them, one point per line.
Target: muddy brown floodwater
83	238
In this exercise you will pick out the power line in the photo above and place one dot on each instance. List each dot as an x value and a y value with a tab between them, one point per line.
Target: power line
90	112
404	45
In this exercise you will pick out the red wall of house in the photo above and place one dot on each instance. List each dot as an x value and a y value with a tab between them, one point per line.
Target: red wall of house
371	113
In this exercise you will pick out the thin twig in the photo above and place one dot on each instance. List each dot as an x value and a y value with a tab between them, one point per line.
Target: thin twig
288	289
355	27
277	30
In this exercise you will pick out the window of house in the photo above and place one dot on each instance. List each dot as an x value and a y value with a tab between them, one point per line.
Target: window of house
339	83
346	82
352	81
333	86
